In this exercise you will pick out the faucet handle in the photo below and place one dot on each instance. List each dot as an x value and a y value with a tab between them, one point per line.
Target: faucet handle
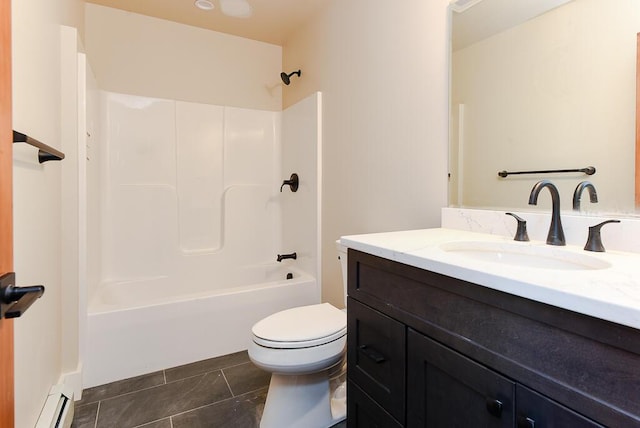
521	233
293	182
594	241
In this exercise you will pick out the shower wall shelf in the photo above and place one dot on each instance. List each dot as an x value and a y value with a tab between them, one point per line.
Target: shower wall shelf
45	153
590	170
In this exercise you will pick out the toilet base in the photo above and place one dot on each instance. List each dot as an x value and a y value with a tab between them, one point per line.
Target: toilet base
299	401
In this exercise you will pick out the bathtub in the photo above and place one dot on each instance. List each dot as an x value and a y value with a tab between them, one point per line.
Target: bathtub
140	326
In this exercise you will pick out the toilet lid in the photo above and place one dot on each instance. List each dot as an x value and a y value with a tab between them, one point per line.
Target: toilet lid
301	327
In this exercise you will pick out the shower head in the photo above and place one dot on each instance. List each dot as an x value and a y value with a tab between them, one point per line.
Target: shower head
286	77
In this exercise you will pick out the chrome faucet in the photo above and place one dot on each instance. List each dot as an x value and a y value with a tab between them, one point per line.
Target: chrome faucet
577	194
556	234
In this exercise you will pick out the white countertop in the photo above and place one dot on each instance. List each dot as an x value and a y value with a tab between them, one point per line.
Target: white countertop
611	293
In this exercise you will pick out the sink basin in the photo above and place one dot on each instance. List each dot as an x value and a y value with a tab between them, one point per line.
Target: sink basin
525	255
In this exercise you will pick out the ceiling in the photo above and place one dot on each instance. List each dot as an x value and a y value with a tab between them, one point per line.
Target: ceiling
272	20
488	17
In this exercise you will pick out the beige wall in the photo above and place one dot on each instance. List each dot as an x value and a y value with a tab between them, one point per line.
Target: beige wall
139	55
37	196
383	72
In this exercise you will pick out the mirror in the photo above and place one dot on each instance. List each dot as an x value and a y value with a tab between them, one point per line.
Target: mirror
543	89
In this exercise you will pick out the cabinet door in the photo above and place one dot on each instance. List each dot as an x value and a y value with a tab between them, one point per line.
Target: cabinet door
535	410
447	389
363	412
376	357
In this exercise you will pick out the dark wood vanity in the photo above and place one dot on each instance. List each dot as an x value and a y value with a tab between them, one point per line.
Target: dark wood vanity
426	349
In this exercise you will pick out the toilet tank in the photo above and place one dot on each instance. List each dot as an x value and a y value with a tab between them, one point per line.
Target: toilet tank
342	256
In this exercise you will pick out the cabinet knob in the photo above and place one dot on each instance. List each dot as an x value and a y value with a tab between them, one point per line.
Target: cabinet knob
494	406
524	422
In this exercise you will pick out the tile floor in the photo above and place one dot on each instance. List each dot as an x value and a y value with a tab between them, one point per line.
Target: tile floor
227	391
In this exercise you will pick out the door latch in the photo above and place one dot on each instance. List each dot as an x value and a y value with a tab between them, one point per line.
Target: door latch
14	301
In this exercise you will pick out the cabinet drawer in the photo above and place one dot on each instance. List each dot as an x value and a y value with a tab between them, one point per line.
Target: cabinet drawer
376	356
373	281
363	412
535	410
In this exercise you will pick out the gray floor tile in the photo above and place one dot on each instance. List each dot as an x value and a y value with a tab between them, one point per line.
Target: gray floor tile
200	398
110	390
85	416
243	411
205	366
246	377
163	423
162	401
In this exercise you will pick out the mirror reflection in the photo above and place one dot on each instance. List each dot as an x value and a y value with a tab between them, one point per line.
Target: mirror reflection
544	89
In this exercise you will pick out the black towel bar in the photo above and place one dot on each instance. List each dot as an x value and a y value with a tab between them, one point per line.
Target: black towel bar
45	153
590	170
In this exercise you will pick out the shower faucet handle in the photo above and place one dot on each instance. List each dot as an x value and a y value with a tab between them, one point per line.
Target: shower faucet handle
292	182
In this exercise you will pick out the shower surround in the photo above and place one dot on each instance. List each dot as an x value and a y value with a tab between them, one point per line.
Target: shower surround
189	222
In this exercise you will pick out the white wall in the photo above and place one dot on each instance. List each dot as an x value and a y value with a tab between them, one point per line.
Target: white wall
383	71
139	55
37	195
556	92
72	88
95	199
301	145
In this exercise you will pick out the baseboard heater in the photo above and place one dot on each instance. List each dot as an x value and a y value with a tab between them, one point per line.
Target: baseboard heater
58	409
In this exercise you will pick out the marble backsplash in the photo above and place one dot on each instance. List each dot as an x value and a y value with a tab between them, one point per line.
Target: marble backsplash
623	236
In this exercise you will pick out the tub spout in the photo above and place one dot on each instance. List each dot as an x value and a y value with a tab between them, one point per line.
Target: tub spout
281	257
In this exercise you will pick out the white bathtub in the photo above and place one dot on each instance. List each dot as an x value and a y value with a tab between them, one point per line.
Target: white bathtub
137	327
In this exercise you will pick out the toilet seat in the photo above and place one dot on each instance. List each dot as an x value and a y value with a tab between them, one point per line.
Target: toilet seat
301	327
298	361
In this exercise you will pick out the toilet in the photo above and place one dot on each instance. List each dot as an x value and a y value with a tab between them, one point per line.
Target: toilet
304	349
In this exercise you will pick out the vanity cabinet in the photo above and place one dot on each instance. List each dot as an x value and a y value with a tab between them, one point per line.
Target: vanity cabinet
427	350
